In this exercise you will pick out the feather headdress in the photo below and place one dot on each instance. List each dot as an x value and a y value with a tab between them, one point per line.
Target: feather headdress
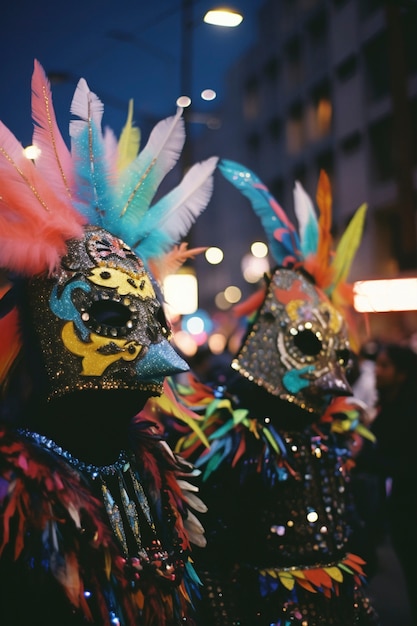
310	247
98	180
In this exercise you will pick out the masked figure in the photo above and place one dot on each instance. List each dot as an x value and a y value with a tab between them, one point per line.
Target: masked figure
96	523
275	477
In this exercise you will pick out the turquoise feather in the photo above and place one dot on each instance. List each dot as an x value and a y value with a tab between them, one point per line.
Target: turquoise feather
308	226
282	237
170	219
93	190
138	182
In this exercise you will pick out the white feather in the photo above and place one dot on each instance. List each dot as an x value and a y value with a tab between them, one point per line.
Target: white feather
307	220
175	213
86	106
195	530
186	486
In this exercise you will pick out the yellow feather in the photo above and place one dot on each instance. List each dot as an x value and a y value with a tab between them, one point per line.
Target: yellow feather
348	245
129	141
335	573
287	580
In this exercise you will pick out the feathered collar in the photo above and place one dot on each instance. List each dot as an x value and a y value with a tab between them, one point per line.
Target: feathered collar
47	493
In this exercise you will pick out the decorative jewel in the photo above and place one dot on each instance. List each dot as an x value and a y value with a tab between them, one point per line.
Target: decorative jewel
115	517
142	499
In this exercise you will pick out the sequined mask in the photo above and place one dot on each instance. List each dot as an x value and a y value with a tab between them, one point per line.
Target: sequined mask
297	348
99	322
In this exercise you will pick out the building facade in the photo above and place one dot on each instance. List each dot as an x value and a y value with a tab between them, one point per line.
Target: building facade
329	84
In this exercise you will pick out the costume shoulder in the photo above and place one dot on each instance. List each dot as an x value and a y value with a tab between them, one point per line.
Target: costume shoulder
237	423
49	518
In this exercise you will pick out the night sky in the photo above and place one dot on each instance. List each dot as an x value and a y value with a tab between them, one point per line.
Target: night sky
125	49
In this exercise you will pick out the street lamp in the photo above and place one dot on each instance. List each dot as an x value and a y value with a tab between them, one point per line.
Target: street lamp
225	17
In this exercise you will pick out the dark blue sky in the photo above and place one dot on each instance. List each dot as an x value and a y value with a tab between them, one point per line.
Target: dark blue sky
124	49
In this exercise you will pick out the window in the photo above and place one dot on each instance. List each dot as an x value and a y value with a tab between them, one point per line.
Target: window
251	102
377	67
323	111
253	142
295	129
352	143
317	31
295	72
275	128
380	138
272	69
347	69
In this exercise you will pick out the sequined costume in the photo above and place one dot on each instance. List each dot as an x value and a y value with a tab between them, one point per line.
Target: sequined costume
96	511
60	561
276	474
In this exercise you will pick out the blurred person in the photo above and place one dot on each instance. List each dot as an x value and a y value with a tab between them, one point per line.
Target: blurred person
369	530
280	428
96	524
364	385
395	429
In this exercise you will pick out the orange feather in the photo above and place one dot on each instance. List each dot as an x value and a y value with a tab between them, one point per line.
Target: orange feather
324	202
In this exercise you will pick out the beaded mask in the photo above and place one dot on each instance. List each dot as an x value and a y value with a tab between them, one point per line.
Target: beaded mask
99	322
80	228
297	347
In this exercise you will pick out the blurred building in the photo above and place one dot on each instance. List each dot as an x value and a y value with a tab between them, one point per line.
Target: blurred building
330	84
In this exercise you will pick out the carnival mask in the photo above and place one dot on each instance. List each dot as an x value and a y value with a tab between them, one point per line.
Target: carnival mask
99	322
297	348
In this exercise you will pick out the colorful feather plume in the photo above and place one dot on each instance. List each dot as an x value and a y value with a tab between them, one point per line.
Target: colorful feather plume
311	246
100	181
282	237
167	221
138	182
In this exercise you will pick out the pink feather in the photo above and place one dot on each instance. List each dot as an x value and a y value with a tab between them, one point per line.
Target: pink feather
54	160
35	223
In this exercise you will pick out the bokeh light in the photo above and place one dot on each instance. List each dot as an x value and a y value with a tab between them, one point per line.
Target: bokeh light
183	101
32	152
217	343
181	293
221	302
253	268
185	343
259	249
208	94
214	255
232	294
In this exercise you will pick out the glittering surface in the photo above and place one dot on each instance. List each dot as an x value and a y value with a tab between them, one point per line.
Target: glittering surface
278	534
98	320
296	349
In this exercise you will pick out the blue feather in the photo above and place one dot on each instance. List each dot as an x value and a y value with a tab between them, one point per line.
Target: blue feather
282	237
94	193
169	219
